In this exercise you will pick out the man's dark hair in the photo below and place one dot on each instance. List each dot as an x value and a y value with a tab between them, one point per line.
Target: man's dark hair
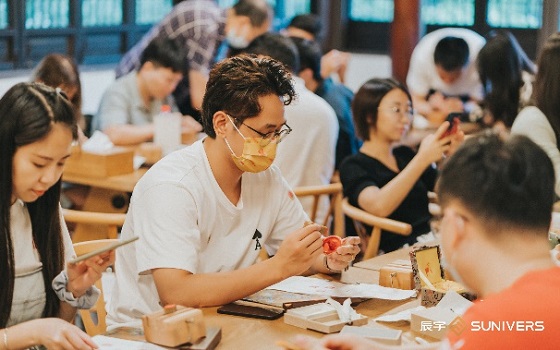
451	53
309	22
166	53
504	183
309	56
258	11
276	46
235	85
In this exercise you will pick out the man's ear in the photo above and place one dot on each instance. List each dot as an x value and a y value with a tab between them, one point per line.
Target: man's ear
220	122
148	66
458	227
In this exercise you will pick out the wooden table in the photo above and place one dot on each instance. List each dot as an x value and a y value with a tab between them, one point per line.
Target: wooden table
250	333
105	194
121	183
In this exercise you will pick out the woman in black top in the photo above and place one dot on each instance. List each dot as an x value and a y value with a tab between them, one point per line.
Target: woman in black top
384	178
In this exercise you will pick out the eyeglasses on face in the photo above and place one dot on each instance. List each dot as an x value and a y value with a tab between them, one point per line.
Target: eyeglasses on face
406	111
277	135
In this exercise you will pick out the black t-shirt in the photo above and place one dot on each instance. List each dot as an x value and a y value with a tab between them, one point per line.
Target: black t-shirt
360	171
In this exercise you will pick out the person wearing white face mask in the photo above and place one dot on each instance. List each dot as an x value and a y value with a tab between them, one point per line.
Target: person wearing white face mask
204	213
208	27
497	198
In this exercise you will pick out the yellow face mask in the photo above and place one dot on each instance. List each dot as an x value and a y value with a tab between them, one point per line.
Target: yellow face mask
258	153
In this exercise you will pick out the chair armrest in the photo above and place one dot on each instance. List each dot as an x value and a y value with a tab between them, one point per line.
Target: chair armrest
360	215
85	217
318	190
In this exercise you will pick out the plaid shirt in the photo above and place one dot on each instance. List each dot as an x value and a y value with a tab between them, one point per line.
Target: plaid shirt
198	24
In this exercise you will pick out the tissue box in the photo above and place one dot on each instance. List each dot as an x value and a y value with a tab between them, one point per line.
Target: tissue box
426	260
117	161
397	274
320	317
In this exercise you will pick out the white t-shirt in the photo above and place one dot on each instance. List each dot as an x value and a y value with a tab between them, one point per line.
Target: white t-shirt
29	289
422	75
306	157
186	222
532	123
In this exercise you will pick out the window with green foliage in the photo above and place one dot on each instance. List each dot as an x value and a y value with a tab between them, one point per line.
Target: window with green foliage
100	13
437	12
46	14
372	10
150	11
4	14
448	12
43	14
515	13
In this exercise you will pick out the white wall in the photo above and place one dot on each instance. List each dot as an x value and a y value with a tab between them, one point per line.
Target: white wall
94	83
95	80
363	67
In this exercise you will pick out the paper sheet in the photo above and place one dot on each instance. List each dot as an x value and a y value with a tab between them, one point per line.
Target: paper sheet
400	316
110	343
316	286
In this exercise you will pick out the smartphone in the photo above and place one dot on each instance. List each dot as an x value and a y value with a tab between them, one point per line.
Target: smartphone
454	120
250	311
102	250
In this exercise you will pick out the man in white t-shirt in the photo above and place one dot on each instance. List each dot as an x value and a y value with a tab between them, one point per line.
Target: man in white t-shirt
309	158
442	77
203	213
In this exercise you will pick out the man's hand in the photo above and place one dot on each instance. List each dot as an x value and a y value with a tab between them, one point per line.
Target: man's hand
299	250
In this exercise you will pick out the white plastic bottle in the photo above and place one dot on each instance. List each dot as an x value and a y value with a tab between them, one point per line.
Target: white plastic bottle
167	130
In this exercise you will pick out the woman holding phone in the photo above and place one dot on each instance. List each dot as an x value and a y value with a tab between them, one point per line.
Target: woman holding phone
388	179
41	291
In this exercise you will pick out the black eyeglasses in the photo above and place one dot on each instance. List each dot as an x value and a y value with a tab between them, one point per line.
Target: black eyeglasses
399	111
278	135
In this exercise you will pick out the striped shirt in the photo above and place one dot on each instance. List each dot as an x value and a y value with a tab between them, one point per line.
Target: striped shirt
197	24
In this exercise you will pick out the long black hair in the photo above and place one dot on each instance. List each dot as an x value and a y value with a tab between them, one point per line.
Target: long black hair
501	63
547	83
28	112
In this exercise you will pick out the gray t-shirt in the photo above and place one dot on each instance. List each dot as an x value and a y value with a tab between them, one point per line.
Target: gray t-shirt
121	104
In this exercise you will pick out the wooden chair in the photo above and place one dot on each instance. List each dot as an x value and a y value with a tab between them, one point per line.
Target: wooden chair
110	223
92	327
371	243
334	191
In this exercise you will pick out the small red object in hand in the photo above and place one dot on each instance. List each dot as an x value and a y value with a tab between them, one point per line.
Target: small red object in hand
331	244
453	127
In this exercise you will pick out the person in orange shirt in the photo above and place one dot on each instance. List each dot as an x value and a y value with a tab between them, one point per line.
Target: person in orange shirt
496	196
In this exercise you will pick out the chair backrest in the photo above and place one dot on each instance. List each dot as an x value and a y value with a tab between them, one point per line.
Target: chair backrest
88	318
334	191
112	222
370	243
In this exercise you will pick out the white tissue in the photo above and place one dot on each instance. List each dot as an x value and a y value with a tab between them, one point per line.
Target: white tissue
344	311
97	143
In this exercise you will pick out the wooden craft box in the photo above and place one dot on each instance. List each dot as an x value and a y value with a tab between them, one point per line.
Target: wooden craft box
397	274
117	161
426	260
174	325
320	317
